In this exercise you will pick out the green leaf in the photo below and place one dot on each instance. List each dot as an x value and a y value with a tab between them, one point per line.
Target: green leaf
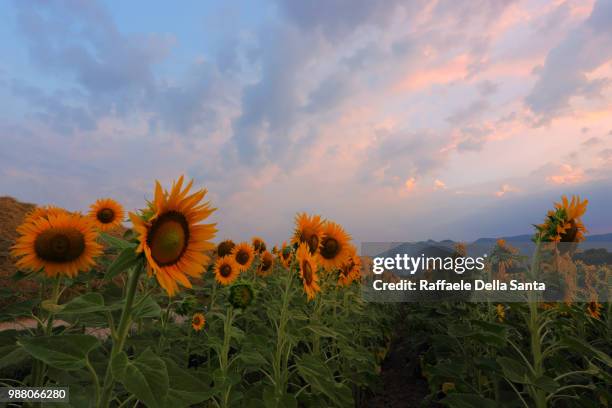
184	388
12	355
460	330
514	371
115	242
583	347
271	400
316	373
67	352
19	309
146	309
460	400
128	258
322	331
87	303
146	377
252	358
547	384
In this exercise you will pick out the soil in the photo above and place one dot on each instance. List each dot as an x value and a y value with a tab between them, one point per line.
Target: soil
12	213
403	385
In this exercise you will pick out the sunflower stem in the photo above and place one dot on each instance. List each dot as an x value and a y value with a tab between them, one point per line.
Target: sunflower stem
538	394
224	357
122	331
40	368
280	369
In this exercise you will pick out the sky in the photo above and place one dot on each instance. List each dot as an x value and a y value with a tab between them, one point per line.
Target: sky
400	120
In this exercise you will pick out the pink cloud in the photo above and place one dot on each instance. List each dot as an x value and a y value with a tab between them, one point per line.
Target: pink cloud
568	175
455	69
439	185
505	189
410	184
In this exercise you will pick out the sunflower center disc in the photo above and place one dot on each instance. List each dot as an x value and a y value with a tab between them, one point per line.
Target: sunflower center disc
307	272
313	243
259	246
330	248
245	296
286	253
225	248
266	264
242	257
168	238
105	216
570	234
59	245
226	270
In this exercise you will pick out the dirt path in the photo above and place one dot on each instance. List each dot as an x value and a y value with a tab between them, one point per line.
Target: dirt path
403	386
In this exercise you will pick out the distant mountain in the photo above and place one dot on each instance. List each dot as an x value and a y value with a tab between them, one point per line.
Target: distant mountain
606	238
481	246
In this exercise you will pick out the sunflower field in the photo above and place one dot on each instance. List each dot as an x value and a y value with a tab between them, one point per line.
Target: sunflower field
159	316
534	353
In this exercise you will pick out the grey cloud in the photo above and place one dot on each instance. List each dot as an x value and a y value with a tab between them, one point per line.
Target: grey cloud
469	113
80	38
112	72
473	138
337	18
59	110
564	73
269	106
404	154
606	154
330	92
487	88
592	141
310	32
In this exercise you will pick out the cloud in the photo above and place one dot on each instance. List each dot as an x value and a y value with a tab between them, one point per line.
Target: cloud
410	184
564	74
592	141
439	185
338	18
80	38
606	154
505	189
566	174
470	113
487	87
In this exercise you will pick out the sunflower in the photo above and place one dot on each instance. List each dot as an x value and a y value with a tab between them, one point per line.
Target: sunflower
351	269
594	310
225	248
106	213
266	264
503	256
564	224
226	270
308	271
198	321
43	212
241	295
308	229
335	246
243	254
500	310
173	241
58	244
285	255
259	245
